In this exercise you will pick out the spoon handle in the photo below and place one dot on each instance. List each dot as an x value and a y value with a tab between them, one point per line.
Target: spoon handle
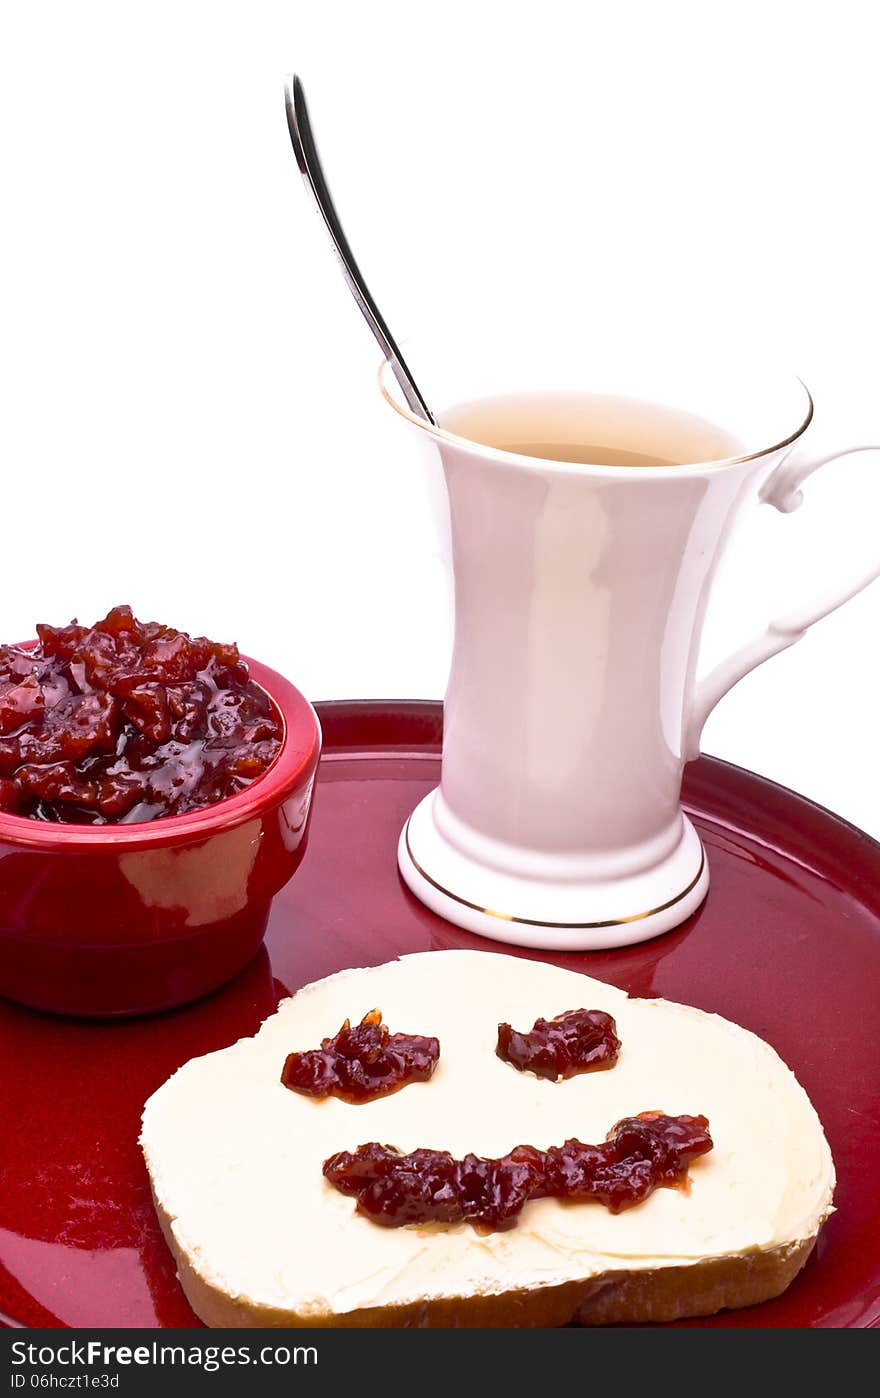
310	167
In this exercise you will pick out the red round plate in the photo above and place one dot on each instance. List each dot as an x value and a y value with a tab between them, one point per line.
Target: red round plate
787	944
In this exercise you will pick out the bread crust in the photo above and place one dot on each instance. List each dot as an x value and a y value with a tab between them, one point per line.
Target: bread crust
636	1297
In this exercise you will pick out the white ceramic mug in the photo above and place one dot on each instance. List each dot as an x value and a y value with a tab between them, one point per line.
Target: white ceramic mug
573	703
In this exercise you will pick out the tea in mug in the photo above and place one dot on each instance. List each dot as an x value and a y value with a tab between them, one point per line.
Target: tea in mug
591	430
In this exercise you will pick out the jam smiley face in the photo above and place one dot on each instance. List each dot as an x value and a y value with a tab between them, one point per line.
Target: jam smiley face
394	1188
487	1195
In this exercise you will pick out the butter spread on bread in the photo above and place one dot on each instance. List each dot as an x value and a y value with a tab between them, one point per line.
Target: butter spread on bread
262	1239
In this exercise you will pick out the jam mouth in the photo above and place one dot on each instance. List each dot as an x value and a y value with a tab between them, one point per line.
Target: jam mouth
639	1154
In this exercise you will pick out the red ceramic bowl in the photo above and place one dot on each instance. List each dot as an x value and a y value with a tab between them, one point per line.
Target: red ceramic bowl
126	919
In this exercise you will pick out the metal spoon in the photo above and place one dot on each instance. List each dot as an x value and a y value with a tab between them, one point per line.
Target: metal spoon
310	168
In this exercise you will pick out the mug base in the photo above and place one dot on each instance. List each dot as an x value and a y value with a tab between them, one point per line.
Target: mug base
562	915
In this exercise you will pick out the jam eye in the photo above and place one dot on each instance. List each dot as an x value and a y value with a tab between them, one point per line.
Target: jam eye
578	1041
358	1065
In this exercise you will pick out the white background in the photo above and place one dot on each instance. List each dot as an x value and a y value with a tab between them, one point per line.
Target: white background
189	415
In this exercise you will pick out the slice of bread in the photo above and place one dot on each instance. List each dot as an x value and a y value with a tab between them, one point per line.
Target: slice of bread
262	1239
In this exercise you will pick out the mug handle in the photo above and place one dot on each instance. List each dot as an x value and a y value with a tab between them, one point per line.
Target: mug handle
782	490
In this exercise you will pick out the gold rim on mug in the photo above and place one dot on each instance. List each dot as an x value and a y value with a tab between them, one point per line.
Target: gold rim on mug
540	922
435	430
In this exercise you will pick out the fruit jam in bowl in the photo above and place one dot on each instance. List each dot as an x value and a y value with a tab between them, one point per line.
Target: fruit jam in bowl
155	792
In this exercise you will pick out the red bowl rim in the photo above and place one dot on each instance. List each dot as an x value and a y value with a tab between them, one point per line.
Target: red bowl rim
300	750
